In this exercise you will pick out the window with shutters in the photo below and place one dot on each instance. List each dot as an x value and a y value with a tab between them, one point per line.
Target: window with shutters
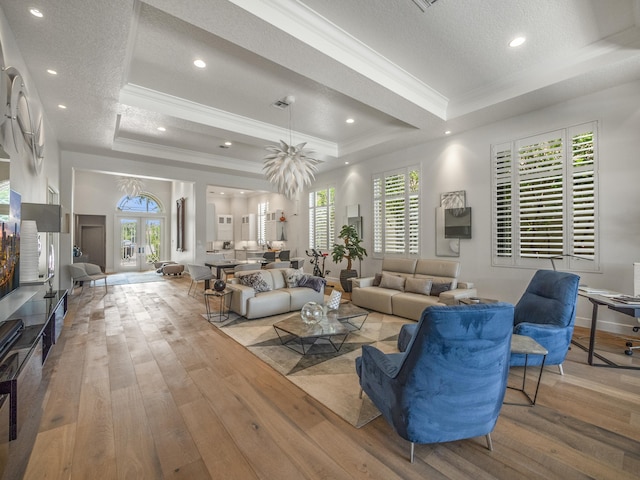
544	200
322	213
396	212
263	208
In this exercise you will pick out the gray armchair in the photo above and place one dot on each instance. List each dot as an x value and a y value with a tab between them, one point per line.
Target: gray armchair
86	272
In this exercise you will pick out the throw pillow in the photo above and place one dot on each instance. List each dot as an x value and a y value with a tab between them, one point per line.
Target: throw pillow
256	281
394	282
310	281
377	279
438	288
292	276
418	285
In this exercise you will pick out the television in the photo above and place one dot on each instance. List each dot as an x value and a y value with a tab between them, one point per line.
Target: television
457	222
9	241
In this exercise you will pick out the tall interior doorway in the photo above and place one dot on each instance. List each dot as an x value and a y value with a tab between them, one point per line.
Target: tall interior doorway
139	243
91	239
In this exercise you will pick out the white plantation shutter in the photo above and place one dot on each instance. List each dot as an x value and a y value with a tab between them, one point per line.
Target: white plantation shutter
502	201
544	202
378	217
322	218
583	192
396	212
540	191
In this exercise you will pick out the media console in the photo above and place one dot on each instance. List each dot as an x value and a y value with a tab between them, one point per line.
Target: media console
21	364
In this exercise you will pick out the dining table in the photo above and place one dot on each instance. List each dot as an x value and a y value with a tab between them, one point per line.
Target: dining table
221	265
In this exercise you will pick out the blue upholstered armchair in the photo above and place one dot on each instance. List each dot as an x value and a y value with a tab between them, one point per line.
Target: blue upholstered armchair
547	313
450	382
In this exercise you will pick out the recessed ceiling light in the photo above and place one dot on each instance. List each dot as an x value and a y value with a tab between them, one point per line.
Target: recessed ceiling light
51	71
516	42
350	120
228	144
346	163
241	193
221	193
162	129
199	63
62	107
36	13
448	132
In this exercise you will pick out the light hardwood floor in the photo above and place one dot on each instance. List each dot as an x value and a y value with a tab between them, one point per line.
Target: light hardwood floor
141	386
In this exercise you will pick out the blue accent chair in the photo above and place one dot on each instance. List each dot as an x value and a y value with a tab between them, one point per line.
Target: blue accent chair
546	312
450	382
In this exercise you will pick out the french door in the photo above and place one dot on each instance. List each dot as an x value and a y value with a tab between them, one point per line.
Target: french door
139	243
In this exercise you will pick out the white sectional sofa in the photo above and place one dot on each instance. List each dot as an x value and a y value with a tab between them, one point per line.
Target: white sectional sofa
260	293
407	286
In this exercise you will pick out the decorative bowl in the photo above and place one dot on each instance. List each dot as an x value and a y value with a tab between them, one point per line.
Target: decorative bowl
311	313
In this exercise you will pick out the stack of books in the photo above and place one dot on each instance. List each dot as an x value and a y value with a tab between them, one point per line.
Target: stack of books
628	299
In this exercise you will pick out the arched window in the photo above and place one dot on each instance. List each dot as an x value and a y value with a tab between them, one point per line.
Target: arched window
143	203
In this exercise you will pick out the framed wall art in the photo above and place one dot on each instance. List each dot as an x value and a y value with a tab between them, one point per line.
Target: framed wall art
180	225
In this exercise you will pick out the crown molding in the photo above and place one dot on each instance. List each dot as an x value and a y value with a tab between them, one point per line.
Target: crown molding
145	98
137	147
303	23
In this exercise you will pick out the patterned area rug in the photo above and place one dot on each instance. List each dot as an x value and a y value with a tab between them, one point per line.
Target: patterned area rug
328	376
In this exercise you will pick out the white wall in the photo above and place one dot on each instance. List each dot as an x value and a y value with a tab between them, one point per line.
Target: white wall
98	194
462	162
31	186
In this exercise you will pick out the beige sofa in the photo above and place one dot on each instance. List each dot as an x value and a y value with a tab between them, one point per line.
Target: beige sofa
404	288
279	298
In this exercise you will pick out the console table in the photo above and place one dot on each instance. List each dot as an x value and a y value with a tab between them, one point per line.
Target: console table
21	368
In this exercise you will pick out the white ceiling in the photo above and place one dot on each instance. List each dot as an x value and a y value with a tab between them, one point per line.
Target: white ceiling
126	67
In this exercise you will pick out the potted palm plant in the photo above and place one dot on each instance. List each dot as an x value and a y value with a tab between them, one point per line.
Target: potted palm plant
350	249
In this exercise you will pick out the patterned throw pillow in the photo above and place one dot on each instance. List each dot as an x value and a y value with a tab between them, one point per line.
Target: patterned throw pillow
256	281
292	277
377	279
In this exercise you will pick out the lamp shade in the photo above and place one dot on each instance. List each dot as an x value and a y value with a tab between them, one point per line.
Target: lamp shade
48	217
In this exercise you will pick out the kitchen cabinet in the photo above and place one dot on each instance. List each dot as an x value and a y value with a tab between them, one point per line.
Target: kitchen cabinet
248	228
275	229
224	228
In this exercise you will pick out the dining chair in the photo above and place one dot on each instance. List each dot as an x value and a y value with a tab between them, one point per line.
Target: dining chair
269	257
199	273
283	256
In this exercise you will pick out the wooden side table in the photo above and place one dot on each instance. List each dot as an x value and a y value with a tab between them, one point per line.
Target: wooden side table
527	346
225	303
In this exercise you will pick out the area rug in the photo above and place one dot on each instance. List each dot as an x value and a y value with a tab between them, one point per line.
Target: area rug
133	277
328	376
